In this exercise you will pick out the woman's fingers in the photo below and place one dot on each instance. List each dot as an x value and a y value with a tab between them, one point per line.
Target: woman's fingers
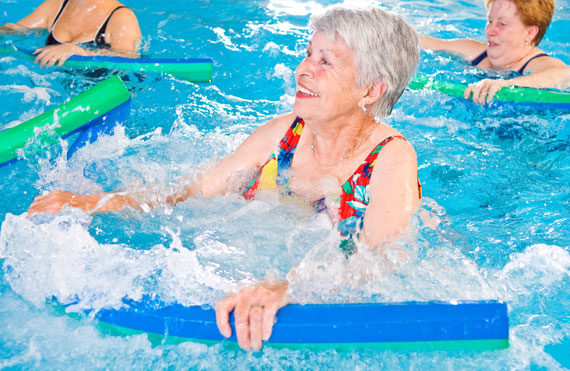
223	309
269	313
52	54
254	312
242	322
467	93
484	91
479	92
255	326
492	91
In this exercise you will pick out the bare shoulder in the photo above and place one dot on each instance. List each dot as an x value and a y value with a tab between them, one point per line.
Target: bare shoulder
397	152
543	63
124	15
276	126
264	140
395	166
123	30
394	193
43	16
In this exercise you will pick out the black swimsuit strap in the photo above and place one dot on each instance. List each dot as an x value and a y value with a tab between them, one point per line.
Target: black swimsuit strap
51	40
521	70
479	58
59	14
100	36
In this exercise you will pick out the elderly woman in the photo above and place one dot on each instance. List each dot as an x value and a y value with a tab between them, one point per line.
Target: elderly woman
514	30
331	151
105	23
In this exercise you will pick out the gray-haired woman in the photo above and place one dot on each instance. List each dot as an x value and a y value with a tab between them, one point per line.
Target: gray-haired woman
332	150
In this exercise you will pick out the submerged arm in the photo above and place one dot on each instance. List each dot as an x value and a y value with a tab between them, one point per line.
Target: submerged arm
249	155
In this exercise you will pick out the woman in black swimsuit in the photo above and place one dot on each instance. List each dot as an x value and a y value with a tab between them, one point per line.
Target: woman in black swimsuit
105	23
514	29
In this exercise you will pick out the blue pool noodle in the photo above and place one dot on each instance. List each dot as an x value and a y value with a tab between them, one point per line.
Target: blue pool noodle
329	323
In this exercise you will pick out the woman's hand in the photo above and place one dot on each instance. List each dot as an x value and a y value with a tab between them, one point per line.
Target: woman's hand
254	311
484	90
13	28
51	54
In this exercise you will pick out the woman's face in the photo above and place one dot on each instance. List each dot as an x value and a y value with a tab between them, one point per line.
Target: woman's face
506	35
326	81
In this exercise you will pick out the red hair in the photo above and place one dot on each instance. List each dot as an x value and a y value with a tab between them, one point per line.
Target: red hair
533	13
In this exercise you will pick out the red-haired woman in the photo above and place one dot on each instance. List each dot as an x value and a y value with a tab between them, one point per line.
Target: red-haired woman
514	30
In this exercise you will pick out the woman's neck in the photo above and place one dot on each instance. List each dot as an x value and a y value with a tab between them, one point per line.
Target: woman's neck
499	64
335	143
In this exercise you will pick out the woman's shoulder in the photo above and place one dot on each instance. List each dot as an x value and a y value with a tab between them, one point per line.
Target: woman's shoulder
43	16
281	122
396	148
271	132
541	61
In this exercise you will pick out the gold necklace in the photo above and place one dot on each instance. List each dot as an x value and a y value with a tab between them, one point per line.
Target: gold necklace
345	156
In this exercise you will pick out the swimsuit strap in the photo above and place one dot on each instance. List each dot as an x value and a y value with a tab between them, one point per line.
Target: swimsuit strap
521	70
479	58
276	170
483	55
100	35
51	40
63	5
354	196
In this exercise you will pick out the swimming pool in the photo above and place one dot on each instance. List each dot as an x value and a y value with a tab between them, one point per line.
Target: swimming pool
494	223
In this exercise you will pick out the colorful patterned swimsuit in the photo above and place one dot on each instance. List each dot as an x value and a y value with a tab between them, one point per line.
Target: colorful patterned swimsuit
354	196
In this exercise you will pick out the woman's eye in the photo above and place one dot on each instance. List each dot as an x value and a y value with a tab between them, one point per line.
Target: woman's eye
325	62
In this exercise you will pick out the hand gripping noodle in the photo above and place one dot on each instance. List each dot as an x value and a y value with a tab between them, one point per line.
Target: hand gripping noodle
409	325
189	69
541	98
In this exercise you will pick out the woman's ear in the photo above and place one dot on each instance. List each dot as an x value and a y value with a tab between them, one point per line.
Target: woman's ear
375	91
532	31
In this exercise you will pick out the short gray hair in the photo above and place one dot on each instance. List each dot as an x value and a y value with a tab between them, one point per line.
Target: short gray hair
386	48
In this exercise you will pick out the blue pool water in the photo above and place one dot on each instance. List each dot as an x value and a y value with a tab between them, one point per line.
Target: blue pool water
494	222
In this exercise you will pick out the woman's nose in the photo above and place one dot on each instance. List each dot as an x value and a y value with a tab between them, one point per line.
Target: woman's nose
305	68
490	29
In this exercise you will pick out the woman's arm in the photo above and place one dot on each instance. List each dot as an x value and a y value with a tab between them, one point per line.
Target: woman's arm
394	194
123	32
546	73
251	154
467	49
41	17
